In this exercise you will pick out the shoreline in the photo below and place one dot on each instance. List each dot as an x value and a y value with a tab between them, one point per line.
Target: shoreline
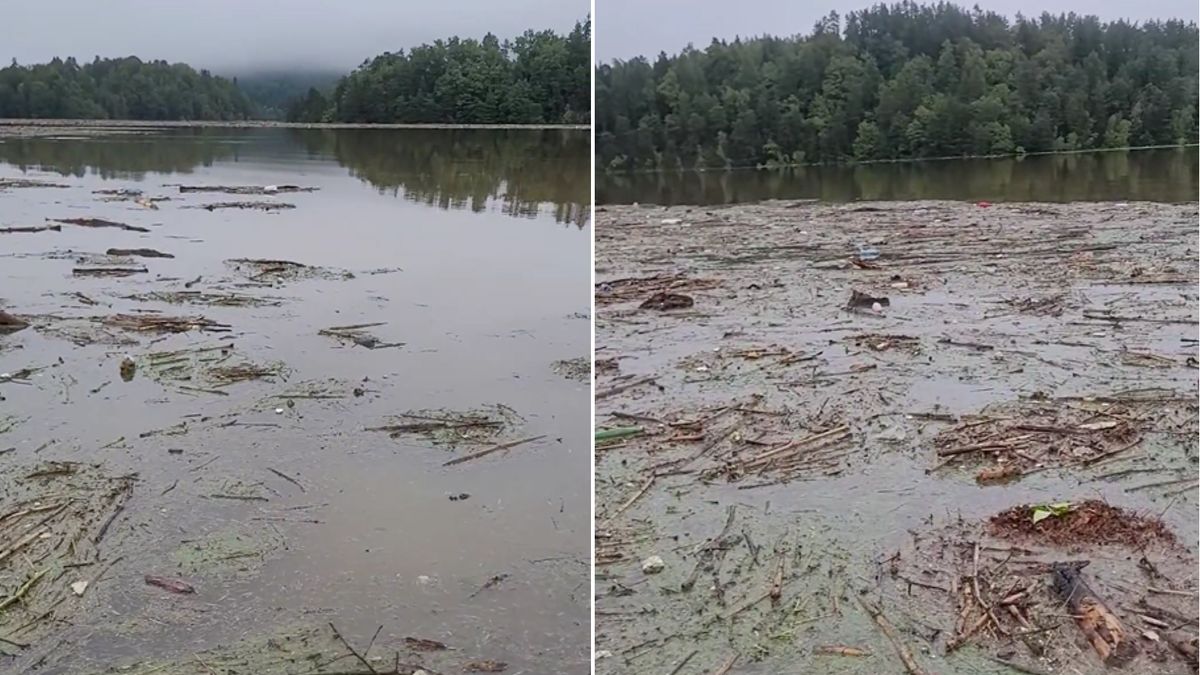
35	126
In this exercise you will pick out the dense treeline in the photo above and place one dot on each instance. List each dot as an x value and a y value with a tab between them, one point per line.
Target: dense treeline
539	77
903	81
125	88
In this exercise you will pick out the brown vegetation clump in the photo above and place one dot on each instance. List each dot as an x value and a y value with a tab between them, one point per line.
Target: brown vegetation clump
1089	522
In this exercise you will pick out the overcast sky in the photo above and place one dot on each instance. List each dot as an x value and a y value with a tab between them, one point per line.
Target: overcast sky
628	28
235	35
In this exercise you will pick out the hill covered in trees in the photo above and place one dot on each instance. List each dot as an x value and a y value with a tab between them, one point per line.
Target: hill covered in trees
124	88
902	81
272	93
538	77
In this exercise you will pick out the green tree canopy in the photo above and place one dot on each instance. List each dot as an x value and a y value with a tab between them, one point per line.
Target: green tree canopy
902	81
539	77
125	88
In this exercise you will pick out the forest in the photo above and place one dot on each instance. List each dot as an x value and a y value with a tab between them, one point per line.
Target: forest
902	81
538	77
123	88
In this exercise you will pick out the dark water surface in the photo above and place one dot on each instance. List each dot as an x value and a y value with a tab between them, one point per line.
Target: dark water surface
491	232
1142	175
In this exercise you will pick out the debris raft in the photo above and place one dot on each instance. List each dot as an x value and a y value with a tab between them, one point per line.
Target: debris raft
260	269
55	515
246	189
206	298
138	252
100	222
357	334
158	323
254	206
30	229
10	183
631	288
454	428
830	390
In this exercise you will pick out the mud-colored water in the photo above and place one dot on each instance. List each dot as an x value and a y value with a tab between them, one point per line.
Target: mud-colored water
768	354
471	247
1140	175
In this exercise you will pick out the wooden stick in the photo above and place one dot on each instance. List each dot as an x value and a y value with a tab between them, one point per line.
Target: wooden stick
494	448
286	477
634	498
728	665
23	590
618	388
889	631
352	650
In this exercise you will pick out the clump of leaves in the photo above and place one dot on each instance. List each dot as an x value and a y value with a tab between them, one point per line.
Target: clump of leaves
1044	511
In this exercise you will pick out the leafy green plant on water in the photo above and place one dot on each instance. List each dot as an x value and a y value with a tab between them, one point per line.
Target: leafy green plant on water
1044	511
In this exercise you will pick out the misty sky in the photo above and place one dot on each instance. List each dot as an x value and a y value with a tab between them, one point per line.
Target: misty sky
238	35
628	28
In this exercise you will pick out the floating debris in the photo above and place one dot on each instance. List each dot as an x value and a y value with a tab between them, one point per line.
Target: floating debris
256	206
7	183
667	301
258	269
157	323
246	189
108	271
620	290
579	369
205	298
358	335
10	323
99	222
450	428
138	252
31	229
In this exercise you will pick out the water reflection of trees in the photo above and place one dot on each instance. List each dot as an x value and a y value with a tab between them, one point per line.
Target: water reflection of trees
1159	175
526	172
125	156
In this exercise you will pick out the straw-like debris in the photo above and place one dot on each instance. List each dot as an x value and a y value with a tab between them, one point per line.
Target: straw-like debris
265	270
100	222
246	189
8	183
138	253
205	298
453	428
157	323
1017	437
55	522
881	343
639	288
579	369
206	369
253	206
357	334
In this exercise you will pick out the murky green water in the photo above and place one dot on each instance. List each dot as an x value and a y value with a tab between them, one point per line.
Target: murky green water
490	234
1147	175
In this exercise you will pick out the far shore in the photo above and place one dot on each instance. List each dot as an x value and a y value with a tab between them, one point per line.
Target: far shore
39	127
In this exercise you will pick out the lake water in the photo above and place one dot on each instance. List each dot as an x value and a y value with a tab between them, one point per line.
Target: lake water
471	248
1146	175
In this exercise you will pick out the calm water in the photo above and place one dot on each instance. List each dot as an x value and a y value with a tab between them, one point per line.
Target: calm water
1148	175
491	232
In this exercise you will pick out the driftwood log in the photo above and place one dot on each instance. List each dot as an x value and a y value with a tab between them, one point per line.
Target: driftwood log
1100	626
